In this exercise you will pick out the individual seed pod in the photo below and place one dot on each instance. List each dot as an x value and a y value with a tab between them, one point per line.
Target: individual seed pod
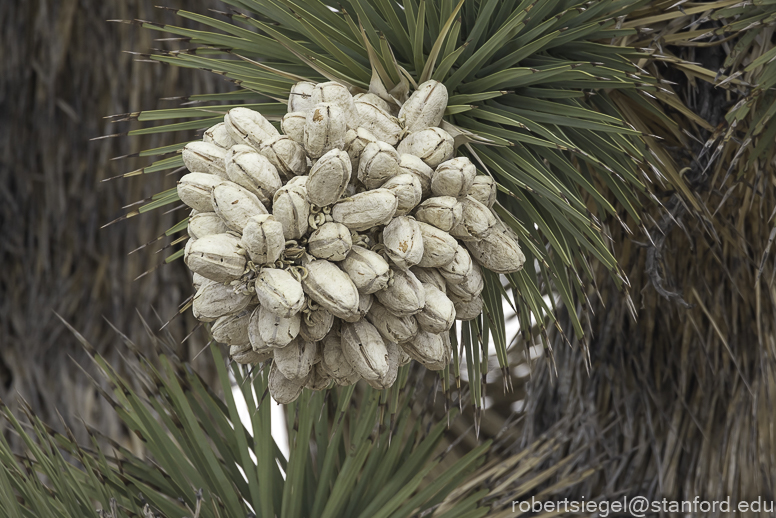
366	210
300	98
292	125
334	361
438	315
204	157
319	379
440	365
297	182
219	136
263	239
477	222
331	288
470	287
286	154
337	94
391	327
499	252
453	178
249	127
205	224
443	212
365	301
198	280
324	129
295	361
283	390
235	205
316	323
214	300
425	107
467	310
404	358
279	292
194	189
413	165
377	101
368	270
394	360
232	329
379	162
219	257
381	123
457	270
432	145
405	296
408	192
331	241
328	178
249	169
430	276
484	190
426	348
275	331
355	142
291	208
438	246
403	242
244	355
365	349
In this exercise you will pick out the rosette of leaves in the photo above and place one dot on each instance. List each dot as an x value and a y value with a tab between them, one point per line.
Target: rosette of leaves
530	85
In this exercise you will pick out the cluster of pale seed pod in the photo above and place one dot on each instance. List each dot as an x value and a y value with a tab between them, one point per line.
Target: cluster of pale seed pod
346	246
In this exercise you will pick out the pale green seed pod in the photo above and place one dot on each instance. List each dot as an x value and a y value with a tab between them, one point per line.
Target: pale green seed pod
334	361
432	145
279	292
233	329
499	252
408	192
366	210
276	332
251	170
195	189
219	136
204	157
205	224
263	239
235	205
286	154
328	178
282	389
365	301
300	98
324	130
425	107
218	257
214	300
249	127
381	123
330	287
438	315
484	190
316	324
445	361
291	208
467	310
391	327
319	379
457	270
338	94
426	348
198	280
453	178
438	246
247	356
365	349
477	222
410	164
355	142
368	271
394	362
470	287
379	162
332	241
430	276
443	212
403	242
405	296
295	361
377	101
292	125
